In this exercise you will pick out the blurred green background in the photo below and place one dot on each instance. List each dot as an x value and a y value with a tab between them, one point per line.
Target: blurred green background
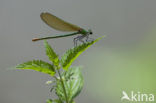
125	60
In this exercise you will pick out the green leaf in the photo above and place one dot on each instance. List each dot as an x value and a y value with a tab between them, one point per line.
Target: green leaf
73	53
57	101
49	82
53	101
51	54
38	65
72	101
73	82
49	101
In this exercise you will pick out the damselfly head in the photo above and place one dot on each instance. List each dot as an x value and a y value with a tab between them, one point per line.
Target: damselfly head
90	32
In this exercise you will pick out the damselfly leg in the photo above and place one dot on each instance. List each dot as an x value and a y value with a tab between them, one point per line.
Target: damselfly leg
79	38
88	39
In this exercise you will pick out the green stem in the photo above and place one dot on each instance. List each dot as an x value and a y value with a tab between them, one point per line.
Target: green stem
63	86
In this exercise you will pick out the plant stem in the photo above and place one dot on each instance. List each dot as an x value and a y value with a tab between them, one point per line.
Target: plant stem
63	86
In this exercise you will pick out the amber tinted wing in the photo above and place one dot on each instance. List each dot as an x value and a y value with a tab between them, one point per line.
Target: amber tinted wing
58	23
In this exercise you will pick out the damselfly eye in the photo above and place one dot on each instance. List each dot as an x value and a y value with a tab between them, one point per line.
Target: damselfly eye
91	33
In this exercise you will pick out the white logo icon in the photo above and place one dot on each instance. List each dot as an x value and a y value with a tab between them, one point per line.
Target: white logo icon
125	96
